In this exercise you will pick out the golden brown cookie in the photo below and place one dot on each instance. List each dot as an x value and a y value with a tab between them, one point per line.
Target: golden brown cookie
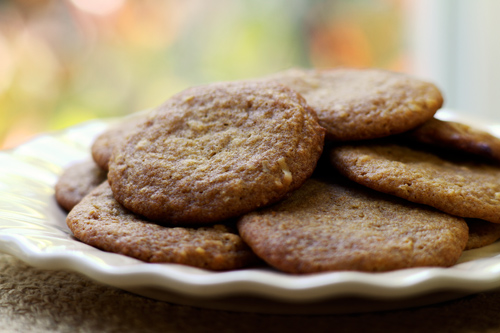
462	188
103	145
454	135
481	233
356	104
333	225
99	220
217	151
76	182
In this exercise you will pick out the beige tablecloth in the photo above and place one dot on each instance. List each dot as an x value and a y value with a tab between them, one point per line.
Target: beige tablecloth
34	300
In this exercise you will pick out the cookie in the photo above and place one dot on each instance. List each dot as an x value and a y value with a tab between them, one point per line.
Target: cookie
462	188
357	104
99	220
334	225
217	151
103	145
481	233
457	136
76	182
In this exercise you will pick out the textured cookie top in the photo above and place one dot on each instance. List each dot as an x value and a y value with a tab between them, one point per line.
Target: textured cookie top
356	104
99	220
461	188
76	182
326	226
217	151
454	135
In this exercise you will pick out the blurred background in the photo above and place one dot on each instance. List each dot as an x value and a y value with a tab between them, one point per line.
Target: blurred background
67	61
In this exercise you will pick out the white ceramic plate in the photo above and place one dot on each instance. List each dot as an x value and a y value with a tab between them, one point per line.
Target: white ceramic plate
33	229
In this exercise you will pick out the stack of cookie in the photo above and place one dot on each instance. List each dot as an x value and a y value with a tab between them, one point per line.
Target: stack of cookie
304	171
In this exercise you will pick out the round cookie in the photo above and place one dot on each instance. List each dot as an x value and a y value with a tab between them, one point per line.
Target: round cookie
217	151
332	225
457	136
481	233
357	104
461	188
103	145
99	220
76	182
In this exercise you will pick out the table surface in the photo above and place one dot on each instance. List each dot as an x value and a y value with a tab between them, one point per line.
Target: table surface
35	300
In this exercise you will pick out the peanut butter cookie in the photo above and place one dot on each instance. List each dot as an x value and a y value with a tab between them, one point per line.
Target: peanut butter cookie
217	151
76	181
335	225
99	220
457	136
103	145
357	104
459	187
481	233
